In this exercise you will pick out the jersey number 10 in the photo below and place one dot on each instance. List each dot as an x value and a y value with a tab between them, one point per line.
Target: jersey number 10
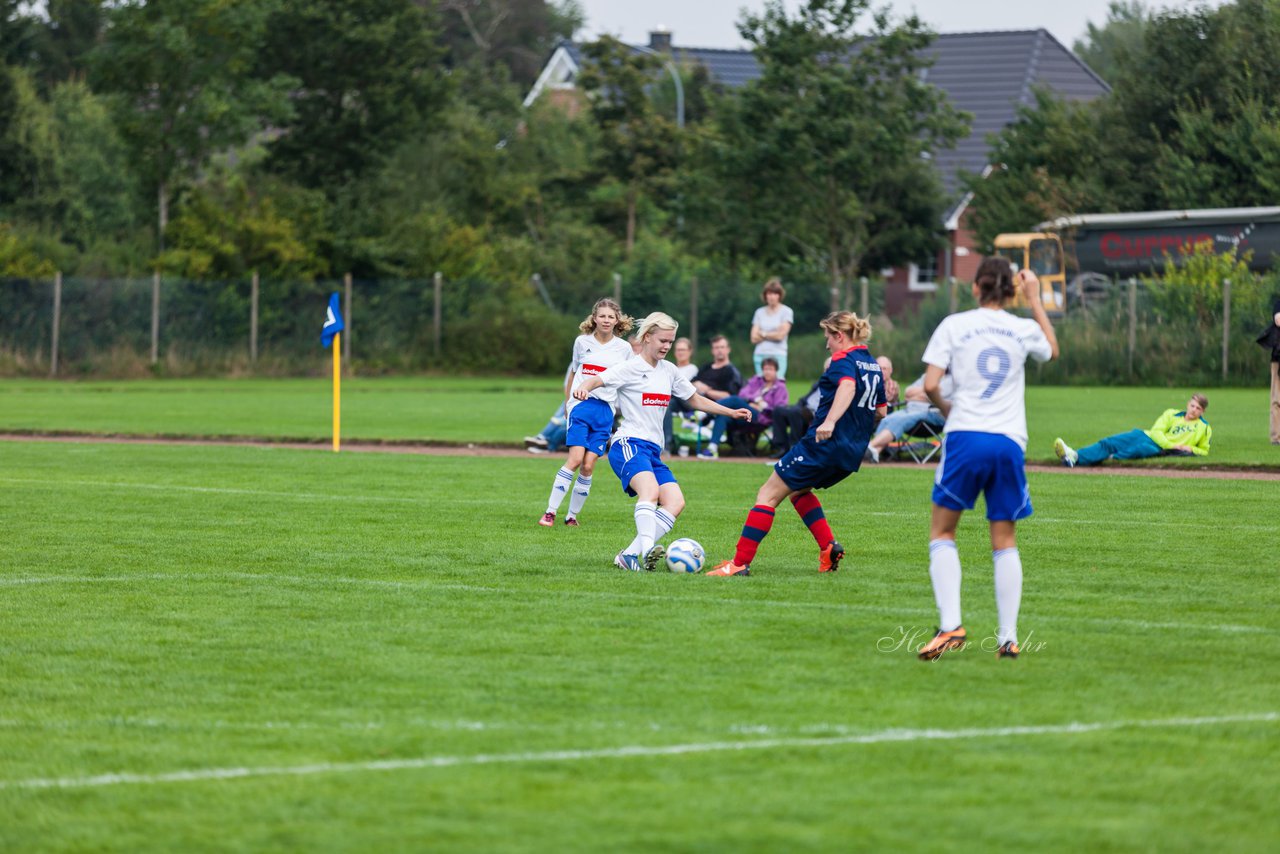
868	399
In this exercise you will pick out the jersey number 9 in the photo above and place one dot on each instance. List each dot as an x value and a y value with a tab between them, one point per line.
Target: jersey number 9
993	366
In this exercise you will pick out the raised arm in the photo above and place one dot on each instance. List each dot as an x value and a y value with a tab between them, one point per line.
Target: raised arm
1031	290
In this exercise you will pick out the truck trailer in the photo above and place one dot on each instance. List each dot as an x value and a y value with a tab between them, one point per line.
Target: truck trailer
1077	256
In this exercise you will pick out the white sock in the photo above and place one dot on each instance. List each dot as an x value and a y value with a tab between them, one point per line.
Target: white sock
1008	593
944	569
646	526
580	492
664	522
559	489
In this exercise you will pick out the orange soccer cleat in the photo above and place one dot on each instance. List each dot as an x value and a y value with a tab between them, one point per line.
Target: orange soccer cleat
943	642
829	559
729	568
1008	649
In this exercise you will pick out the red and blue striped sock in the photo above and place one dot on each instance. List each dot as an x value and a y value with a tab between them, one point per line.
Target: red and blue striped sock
759	521
810	510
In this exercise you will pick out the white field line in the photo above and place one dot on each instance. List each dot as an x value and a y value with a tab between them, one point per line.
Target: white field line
890	736
312	496
210	490
430	587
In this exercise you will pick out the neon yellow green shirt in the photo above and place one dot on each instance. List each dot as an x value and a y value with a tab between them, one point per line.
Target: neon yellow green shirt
1172	428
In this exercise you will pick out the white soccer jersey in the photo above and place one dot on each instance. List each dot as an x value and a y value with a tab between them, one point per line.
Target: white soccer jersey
591	358
644	392
986	350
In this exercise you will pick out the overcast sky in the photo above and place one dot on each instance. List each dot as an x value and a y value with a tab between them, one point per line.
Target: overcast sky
711	23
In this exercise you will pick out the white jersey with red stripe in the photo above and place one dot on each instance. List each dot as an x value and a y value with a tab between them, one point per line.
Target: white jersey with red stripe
644	392
591	358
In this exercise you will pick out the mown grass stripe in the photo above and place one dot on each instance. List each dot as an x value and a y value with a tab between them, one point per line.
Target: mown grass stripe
431	586
626	752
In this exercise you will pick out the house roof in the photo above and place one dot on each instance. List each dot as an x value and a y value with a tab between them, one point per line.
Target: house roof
987	74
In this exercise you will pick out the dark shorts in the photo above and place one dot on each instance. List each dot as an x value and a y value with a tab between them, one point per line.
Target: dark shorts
809	466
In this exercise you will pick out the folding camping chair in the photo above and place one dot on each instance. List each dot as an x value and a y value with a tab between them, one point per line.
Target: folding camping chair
921	443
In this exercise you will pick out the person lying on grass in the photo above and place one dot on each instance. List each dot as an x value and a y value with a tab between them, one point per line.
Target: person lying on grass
1179	433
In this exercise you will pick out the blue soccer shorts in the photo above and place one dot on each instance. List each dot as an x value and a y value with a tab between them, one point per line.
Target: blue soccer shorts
590	423
629	457
808	465
986	463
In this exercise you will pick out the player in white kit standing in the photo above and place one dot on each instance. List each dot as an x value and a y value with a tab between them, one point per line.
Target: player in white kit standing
644	386
986	350
601	345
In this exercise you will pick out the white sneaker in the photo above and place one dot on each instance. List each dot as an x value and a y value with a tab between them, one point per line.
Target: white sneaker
1065	453
535	442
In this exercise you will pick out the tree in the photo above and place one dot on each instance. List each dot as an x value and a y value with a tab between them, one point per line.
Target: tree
1048	163
1120	36
230	226
1193	121
98	197
27	142
19	33
517	35
834	139
639	147
368	78
181	73
20	258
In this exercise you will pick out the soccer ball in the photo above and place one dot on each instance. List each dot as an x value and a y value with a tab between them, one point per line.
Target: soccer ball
685	555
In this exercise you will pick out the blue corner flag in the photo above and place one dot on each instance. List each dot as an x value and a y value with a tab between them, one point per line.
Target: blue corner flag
333	322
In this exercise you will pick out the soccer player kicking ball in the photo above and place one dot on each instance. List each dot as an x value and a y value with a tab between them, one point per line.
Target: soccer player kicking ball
644	386
851	403
984	448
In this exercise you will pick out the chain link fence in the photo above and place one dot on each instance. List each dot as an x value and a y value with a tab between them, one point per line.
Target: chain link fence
143	327
70	326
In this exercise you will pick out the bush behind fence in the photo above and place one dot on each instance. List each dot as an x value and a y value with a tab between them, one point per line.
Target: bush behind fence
205	328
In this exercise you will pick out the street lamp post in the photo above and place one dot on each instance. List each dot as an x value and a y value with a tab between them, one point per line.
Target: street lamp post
675	76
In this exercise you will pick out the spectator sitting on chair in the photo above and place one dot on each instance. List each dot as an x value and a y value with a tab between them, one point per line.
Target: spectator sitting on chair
890	384
918	410
1176	433
720	378
762	394
685	367
550	437
792	421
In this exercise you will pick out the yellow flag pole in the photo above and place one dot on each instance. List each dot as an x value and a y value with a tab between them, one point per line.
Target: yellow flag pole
337	393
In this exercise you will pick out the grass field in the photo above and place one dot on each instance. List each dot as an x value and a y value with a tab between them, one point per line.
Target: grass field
500	410
244	648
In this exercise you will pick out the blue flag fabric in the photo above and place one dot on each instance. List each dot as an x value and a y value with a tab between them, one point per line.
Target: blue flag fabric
333	322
